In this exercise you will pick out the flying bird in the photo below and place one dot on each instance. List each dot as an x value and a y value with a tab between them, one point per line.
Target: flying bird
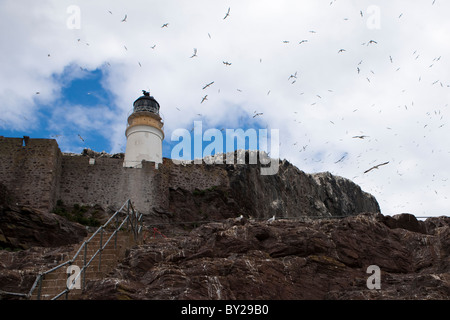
303	41
257	114
372	41
195	53
125	19
227	63
293	76
204	98
228	13
376	167
342	50
80	138
360	137
165	25
341	159
208	85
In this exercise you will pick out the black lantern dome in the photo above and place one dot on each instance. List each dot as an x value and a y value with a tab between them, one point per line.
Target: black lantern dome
146	103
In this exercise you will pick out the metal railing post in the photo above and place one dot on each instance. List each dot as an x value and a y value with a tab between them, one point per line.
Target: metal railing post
135	213
67	281
115	237
40	287
84	265
101	249
128	215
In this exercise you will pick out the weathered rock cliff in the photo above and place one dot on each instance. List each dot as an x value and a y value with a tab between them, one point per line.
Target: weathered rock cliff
289	193
23	227
322	259
293	193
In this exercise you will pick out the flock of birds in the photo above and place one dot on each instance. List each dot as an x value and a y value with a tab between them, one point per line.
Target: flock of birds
293	77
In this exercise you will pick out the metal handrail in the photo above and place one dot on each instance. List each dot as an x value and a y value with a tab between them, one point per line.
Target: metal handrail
136	227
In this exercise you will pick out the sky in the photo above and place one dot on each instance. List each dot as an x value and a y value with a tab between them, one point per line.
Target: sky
348	84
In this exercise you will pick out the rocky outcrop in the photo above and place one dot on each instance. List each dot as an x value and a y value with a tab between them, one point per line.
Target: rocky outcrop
22	227
288	194
294	193
285	259
18	269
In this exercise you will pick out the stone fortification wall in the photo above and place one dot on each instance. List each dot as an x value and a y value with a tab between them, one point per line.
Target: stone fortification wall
30	169
194	176
37	174
107	183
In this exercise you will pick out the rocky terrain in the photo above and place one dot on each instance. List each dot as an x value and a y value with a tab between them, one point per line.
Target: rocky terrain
291	193
23	227
31	241
326	233
310	259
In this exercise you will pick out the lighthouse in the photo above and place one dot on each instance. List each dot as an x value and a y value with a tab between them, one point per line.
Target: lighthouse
144	133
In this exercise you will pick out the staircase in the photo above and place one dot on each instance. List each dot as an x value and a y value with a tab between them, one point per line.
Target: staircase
56	282
97	255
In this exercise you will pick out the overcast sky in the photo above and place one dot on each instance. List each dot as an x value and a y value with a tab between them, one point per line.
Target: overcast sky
321	72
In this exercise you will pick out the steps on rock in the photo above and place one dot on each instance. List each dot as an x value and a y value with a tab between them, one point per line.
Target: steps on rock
56	282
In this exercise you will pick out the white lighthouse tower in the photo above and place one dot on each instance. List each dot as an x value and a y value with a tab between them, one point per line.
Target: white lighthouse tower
144	133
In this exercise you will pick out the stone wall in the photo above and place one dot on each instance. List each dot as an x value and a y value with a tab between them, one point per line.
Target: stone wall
194	176
30	169
37	174
107	183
